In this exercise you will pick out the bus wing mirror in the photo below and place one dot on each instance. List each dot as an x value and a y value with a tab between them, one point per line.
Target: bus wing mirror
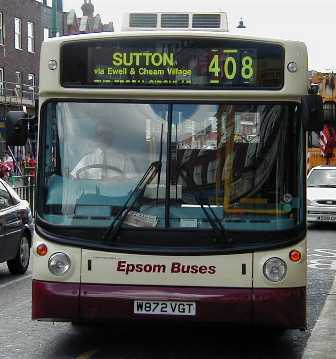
16	128
312	112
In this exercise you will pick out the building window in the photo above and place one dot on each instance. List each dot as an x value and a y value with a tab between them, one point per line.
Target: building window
31	81
2	29
18	85
18	33
2	80
49	3
31	37
45	33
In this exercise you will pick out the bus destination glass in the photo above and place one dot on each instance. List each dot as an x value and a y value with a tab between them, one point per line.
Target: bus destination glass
173	63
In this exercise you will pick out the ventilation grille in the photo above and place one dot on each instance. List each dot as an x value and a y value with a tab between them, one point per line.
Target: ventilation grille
168	21
174	21
206	21
143	20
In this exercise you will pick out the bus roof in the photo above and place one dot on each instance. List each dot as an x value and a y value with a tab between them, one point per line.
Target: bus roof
170	33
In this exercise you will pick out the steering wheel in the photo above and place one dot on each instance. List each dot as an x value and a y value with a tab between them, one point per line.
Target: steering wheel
103	167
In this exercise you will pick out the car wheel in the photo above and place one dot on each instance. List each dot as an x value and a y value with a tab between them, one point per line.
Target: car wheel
19	264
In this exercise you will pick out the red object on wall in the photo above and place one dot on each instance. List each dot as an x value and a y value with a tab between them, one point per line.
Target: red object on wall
327	141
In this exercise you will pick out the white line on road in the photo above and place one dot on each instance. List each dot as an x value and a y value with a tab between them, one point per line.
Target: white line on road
322	259
321	343
15	281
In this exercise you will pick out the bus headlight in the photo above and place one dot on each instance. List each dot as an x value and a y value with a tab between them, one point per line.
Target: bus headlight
275	269
59	264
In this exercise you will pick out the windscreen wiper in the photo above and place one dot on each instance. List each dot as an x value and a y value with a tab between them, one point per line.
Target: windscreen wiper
153	169
214	221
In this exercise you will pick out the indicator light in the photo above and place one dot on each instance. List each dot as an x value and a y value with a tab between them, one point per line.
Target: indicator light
295	255
42	249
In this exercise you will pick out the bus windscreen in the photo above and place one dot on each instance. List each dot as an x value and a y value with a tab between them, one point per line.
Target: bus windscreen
173	63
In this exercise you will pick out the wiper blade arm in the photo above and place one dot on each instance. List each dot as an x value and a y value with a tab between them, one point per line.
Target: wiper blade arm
151	172
153	169
216	224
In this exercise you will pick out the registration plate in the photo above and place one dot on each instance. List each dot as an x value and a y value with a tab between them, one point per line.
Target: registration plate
164	308
327	218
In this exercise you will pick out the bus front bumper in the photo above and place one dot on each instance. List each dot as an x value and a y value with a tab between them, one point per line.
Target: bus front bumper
75	302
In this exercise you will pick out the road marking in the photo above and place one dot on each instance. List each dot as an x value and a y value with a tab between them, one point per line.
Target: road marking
15	281
322	259
321	343
87	355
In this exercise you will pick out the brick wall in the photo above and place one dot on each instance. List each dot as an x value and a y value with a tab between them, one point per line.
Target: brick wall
12	59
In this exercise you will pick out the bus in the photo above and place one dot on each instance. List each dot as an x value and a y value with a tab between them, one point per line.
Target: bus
171	179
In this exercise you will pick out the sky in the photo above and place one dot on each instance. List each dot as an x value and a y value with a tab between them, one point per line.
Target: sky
309	21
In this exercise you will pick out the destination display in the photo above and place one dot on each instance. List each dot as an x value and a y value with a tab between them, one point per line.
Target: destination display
173	63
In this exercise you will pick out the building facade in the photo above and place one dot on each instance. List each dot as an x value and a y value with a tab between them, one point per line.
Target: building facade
87	23
24	24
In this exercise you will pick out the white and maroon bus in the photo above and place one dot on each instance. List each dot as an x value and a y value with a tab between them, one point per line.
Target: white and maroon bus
171	179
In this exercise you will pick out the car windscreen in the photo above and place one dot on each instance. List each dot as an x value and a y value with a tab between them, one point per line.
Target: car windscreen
322	177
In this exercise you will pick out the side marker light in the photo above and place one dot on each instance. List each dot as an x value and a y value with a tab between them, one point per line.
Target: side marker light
52	64
292	67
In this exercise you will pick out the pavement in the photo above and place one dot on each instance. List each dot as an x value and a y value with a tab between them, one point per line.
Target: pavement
322	341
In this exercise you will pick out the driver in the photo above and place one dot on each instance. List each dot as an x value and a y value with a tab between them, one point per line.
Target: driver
104	162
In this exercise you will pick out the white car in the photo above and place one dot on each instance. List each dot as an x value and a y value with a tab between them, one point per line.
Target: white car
321	194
